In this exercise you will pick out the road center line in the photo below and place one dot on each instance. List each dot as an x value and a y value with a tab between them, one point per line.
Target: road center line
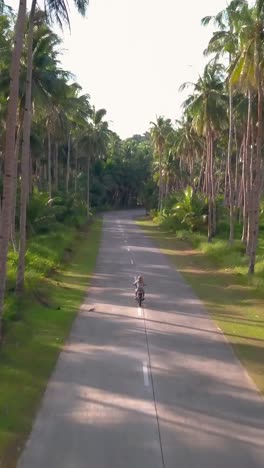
145	373
132	261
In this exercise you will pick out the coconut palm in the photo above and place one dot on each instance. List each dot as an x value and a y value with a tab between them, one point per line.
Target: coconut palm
93	143
247	75
59	12
160	131
26	139
225	42
206	107
10	149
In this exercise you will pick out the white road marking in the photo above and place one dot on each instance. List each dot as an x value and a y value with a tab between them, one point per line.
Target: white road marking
139	311
145	373
128	249
132	262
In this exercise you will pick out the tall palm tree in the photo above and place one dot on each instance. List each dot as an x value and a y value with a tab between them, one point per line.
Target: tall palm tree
81	5
206	106
94	142
189	146
225	42
160	131
247	75
10	149
59	10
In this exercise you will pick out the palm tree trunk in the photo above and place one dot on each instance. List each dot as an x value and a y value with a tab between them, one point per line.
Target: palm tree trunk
49	165
229	166
30	169
202	171
88	186
6	214
246	171
252	163
226	193
237	178
14	194
212	184
68	164
56	169
160	183
76	169
257	180
209	188
25	157
45	175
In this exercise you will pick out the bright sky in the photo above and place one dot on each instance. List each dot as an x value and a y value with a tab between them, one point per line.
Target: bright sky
131	56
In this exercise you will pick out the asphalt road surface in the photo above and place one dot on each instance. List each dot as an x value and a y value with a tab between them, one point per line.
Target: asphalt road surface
145	388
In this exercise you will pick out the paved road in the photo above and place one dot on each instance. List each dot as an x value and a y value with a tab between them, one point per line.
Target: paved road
149	388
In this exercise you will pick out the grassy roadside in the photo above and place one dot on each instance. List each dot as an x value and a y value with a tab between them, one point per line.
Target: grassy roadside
235	304
35	338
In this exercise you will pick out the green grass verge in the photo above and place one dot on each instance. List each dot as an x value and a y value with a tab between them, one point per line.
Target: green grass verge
235	301
37	328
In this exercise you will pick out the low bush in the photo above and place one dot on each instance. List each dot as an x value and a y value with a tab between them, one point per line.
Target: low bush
44	213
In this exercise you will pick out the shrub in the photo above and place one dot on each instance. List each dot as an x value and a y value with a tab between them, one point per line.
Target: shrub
45	213
183	210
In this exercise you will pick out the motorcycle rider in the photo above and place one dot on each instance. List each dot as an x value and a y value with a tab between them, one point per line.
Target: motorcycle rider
139	283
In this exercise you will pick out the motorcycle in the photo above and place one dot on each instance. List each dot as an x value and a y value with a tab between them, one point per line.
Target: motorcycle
140	297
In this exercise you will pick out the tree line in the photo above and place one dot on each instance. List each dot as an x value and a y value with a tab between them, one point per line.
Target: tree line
217	146
58	155
57	150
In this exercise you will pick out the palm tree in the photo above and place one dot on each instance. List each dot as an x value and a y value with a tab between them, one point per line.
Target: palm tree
25	156
26	145
225	41
10	149
159	134
247	75
189	146
94	143
206	106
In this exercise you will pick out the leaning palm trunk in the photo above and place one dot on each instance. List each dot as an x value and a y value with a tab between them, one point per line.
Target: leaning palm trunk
229	168
6	214
257	181
25	158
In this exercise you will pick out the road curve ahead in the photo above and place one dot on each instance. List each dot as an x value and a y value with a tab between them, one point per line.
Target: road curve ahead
151	388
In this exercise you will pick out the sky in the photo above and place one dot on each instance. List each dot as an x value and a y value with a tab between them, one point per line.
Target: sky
131	56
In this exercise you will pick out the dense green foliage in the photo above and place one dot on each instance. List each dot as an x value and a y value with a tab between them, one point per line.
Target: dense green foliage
200	178
216	149
77	165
